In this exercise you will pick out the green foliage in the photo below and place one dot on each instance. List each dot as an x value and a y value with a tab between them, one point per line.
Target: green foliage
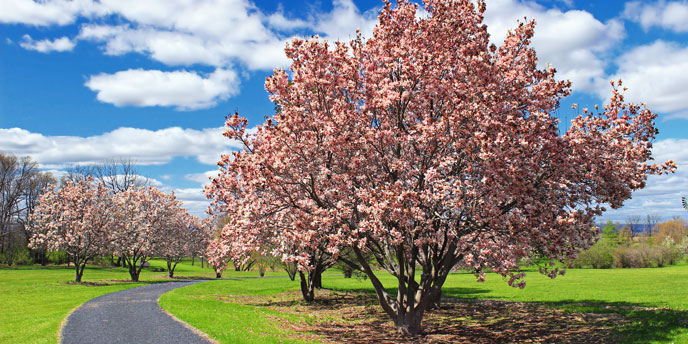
58	257
609	231
599	256
16	256
617	248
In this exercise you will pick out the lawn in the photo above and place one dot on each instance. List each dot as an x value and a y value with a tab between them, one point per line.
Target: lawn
209	307
634	305
35	299
630	305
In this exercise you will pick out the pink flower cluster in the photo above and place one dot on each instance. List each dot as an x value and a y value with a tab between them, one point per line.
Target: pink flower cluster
85	219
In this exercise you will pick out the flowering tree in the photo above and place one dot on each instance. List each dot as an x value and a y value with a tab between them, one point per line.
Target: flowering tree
75	219
140	224
179	236
257	221
203	232
424	147
217	253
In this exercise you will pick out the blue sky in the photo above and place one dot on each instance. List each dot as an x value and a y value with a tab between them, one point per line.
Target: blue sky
83	80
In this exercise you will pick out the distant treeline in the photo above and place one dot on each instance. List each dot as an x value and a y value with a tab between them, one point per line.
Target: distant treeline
636	228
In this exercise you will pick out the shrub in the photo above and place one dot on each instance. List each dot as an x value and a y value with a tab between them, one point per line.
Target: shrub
16	256
676	229
683	248
598	256
624	257
58	257
645	256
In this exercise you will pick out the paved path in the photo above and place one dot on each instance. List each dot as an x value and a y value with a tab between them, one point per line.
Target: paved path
128	316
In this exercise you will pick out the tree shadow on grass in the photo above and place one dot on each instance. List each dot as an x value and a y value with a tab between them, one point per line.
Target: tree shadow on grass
638	323
354	316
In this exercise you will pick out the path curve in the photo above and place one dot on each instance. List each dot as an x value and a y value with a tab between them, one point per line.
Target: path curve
128	316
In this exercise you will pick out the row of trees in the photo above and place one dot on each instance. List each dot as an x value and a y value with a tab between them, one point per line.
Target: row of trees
85	219
421	148
619	247
21	184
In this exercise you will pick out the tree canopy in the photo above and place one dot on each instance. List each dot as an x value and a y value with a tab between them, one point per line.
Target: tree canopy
424	147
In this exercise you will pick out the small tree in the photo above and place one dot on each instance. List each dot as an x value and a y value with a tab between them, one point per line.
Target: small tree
217	256
21	184
633	223
75	219
180	231
652	220
139	225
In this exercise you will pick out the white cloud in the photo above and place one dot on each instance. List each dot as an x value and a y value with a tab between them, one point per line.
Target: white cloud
573	41
47	12
662	195
145	147
345	18
180	32
193	198
46	45
169	47
655	74
202	178
278	21
182	89
672	15
225	34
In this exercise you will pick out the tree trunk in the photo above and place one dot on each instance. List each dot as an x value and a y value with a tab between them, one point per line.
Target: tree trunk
413	299
307	288
193	258
218	274
409	324
170	269
291	269
79	269
317	279
140	267
436	301
134	272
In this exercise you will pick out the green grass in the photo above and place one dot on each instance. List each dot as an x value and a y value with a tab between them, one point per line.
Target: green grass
652	287
35	299
227	322
625	291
